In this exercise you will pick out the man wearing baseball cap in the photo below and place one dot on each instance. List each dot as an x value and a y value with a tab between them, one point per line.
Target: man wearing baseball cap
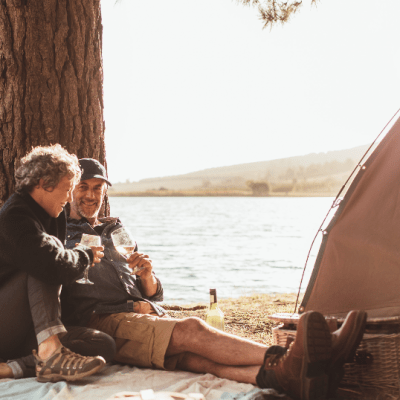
123	305
92	168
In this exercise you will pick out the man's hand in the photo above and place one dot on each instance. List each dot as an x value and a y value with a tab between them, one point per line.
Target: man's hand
149	281
142	262
143	307
98	254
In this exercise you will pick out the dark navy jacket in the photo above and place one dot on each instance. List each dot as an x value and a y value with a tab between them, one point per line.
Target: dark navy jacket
114	289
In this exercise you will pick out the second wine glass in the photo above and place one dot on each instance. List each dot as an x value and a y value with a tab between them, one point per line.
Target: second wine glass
125	244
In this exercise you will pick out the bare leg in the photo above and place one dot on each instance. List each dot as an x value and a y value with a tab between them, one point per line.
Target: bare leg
5	371
48	347
194	336
195	363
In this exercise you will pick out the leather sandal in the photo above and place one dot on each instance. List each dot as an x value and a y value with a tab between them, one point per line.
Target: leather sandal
64	365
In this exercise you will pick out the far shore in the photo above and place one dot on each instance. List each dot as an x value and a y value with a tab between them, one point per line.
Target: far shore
215	193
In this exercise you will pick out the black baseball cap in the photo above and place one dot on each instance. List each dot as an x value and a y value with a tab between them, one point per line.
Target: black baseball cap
91	168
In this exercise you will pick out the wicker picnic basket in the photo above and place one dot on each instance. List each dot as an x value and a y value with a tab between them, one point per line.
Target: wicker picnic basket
377	362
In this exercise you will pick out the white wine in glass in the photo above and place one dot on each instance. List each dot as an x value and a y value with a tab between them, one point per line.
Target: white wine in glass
125	244
125	251
89	240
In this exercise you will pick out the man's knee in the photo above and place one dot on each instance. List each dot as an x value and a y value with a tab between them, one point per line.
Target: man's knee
89	342
189	327
105	345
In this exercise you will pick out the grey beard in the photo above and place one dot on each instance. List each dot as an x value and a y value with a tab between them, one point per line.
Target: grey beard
82	213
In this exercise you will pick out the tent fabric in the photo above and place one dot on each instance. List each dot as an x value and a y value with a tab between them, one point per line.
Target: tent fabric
358	264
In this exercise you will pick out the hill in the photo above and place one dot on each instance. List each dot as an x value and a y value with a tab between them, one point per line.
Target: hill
316	172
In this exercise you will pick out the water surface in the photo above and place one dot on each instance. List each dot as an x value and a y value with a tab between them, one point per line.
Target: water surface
239	245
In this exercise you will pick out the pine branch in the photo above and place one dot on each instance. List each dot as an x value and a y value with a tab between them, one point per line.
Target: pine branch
277	12
273	12
249	2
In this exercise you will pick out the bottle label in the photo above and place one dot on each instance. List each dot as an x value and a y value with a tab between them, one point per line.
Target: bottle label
212	298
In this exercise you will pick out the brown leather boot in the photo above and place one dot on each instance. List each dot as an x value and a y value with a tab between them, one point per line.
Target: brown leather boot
301	372
344	345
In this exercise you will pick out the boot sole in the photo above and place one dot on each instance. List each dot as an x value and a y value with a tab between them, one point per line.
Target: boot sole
318	345
347	355
69	378
336	370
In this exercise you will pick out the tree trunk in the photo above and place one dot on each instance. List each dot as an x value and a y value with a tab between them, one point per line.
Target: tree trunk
51	80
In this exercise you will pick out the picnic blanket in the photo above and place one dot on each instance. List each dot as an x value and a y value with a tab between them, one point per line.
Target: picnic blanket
120	378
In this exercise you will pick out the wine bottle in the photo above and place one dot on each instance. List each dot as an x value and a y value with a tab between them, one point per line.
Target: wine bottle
214	316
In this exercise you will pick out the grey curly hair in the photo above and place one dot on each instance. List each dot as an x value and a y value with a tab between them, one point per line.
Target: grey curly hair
50	163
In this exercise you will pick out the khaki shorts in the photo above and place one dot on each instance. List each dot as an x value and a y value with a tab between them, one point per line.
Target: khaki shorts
142	340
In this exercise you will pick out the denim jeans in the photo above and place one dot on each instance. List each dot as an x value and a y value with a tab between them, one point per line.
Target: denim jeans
29	314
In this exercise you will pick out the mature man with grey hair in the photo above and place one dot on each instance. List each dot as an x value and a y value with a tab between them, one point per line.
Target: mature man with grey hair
33	266
122	304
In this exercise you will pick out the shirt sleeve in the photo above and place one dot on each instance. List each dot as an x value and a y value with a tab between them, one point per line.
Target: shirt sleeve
41	255
158	296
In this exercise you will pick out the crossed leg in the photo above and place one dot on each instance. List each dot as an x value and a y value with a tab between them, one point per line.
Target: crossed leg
208	350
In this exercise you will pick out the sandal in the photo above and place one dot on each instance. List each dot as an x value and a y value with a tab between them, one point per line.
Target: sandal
64	365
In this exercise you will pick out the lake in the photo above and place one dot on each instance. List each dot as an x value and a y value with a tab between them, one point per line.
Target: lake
238	245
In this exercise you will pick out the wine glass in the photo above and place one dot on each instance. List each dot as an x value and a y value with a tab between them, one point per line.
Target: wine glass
89	240
125	244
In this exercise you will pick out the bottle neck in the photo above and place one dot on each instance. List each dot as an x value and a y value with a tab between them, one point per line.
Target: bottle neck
213	300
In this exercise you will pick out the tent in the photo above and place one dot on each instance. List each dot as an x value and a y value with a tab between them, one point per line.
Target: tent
358	263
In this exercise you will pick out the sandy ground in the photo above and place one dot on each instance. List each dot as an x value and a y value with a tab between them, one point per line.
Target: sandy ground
246	316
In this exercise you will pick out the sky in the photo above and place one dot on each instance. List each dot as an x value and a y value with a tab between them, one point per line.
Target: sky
196	84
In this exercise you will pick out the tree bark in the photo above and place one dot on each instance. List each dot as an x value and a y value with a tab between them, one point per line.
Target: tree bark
51	80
